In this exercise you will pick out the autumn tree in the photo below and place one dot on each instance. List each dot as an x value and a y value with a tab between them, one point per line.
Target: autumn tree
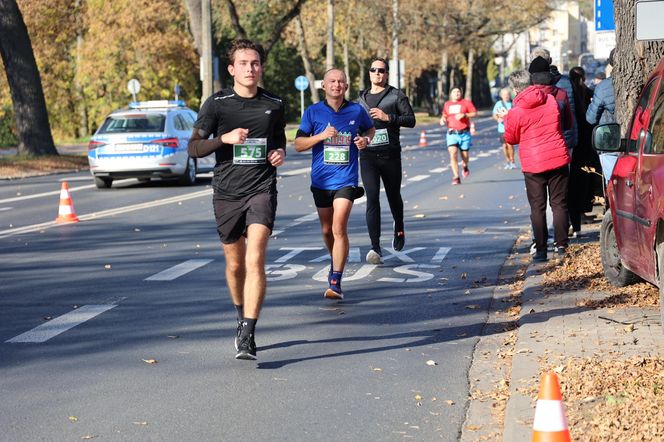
633	61
31	116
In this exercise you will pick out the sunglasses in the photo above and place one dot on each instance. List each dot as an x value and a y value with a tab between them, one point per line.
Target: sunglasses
379	70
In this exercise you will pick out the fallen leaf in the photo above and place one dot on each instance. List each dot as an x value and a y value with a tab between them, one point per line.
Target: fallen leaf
150	361
444	197
140	423
629	328
464	275
377	369
420	215
449	402
107	266
461	196
473	307
172	336
72	419
418	397
47	318
89	436
431	363
473	427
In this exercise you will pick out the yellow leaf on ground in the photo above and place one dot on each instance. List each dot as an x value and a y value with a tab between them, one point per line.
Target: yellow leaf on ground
73	418
431	363
150	361
449	402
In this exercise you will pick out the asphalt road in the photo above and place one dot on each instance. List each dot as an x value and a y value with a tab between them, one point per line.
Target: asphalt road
140	278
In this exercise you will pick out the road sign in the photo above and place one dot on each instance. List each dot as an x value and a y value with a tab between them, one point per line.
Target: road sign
604	16
648	20
301	83
134	87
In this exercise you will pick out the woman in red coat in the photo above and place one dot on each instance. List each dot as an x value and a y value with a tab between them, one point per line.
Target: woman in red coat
534	123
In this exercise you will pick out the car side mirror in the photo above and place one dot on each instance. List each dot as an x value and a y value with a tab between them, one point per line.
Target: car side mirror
606	138
646	137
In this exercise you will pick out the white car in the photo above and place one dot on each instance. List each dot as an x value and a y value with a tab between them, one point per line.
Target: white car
147	140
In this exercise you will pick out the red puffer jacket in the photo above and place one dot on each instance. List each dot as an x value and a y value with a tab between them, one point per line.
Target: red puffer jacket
534	124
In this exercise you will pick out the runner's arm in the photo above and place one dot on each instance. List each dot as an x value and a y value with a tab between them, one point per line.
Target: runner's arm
405	116
199	146
304	141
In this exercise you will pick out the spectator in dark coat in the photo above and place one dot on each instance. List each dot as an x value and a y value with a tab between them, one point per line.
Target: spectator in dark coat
534	123
581	192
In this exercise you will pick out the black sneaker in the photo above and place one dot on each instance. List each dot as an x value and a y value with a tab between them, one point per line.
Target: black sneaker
398	241
247	348
238	332
540	256
561	251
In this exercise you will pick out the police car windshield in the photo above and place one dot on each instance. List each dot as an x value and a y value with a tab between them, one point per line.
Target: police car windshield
133	123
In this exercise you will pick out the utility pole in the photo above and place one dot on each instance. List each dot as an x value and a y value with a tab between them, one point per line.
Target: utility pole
206	46
395	40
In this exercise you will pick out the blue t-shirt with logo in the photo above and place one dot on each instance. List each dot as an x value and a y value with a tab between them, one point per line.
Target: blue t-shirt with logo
500	104
334	162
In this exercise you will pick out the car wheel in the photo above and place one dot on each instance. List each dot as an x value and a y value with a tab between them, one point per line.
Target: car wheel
614	270
103	183
660	277
189	176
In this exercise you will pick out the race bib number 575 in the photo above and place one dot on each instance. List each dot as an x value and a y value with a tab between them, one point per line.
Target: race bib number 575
253	151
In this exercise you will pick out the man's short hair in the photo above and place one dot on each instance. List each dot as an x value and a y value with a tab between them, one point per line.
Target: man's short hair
539	51
382	60
519	80
334	69
242	43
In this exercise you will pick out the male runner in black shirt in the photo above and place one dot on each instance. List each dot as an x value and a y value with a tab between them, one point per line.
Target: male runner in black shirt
247	127
389	108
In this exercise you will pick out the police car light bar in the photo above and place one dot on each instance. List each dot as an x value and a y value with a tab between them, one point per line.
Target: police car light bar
156	104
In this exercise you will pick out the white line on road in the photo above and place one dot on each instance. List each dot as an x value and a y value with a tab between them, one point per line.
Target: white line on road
178	270
54	327
4	209
38	195
419	178
438	170
296	171
105	213
441	254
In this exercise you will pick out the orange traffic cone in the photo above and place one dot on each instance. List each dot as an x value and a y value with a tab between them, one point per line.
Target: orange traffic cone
66	212
423	139
550	424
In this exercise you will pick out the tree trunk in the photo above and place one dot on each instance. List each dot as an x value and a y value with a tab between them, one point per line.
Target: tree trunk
469	78
481	89
81	108
329	54
633	61
443	88
306	60
347	70
194	9
30	114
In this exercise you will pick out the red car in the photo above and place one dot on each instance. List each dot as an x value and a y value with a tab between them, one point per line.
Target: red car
632	233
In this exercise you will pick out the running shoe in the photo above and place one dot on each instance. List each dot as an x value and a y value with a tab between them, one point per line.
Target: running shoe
374	257
466	171
247	348
533	248
456	181
238	332
540	256
512	165
398	241
507	166
561	251
333	293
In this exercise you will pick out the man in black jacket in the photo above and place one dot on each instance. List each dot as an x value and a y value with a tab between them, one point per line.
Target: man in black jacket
389	108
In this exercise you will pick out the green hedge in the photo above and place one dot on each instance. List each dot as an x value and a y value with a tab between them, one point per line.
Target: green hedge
7	128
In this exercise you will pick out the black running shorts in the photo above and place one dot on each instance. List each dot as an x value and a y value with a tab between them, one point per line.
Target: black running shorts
233	217
325	198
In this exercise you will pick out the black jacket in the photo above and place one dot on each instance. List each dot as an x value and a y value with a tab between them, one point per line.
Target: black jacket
395	104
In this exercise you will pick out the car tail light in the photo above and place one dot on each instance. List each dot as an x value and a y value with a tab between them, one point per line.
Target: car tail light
167	142
95	144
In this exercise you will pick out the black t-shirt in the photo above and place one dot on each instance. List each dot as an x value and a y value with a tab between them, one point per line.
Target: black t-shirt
373	99
264	116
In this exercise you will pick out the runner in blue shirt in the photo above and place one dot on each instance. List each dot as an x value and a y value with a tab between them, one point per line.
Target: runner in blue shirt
500	109
335	129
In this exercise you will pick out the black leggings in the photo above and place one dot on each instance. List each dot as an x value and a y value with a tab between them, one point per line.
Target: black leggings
387	166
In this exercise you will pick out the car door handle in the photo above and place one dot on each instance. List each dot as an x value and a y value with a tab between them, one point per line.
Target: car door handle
629	183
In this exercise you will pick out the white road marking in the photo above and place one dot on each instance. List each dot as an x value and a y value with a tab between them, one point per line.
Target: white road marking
293	252
483	154
178	270
4	209
419	177
438	170
403	255
410	270
440	254
54	327
296	171
39	195
106	213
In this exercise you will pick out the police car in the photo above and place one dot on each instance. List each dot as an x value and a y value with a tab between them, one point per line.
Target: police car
146	140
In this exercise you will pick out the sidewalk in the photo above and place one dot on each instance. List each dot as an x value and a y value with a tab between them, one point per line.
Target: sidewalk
551	329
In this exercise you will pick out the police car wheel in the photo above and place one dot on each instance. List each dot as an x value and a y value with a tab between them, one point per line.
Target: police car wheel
189	176
103	183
